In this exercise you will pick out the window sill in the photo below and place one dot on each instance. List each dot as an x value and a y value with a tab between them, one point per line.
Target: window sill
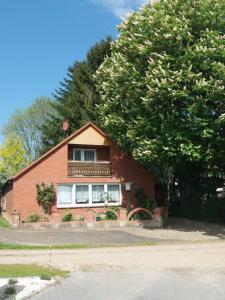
88	205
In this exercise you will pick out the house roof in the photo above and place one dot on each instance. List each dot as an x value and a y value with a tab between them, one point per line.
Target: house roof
76	133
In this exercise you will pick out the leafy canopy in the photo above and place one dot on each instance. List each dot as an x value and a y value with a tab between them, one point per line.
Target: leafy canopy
26	123
162	89
12	158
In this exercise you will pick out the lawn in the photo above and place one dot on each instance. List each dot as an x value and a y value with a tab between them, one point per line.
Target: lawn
3	223
17	270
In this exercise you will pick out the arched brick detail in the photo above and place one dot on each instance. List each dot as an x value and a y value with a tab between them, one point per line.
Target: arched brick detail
104	211
135	210
114	212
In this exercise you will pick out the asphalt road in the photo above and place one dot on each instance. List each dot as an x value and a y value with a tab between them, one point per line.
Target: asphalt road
77	236
137	286
173	271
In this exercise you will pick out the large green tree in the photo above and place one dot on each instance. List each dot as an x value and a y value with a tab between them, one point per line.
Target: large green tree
77	97
12	158
162	92
25	124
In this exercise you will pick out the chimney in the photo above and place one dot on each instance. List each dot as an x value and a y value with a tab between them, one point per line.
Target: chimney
65	125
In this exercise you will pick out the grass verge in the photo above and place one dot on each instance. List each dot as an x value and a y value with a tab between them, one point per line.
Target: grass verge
4	246
17	270
4	223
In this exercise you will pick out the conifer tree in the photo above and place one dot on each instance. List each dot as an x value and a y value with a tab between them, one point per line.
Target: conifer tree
76	99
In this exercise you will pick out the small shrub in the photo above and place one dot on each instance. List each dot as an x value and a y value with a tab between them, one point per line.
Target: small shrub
141	200
10	290
111	216
46	196
12	281
45	277
33	218
68	217
150	204
140	215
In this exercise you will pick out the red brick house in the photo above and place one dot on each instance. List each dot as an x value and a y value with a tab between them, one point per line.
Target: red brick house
83	168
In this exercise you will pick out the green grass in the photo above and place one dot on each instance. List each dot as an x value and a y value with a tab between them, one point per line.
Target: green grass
4	246
17	270
3	223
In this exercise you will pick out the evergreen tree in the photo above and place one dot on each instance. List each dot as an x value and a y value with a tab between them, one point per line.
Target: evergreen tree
76	99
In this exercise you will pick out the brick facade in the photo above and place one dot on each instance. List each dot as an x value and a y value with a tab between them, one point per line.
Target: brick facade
53	168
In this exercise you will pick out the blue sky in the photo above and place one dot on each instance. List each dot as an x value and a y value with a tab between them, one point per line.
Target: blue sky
41	38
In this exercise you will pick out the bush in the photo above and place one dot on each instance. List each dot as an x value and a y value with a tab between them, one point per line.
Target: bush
12	281
142	201
111	216
68	217
46	196
10	290
33	218
140	215
45	277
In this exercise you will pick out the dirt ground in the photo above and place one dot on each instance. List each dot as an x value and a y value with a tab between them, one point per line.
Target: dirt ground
189	257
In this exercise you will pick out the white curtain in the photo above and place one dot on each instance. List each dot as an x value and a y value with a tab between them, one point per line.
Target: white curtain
65	194
113	193
97	193
82	194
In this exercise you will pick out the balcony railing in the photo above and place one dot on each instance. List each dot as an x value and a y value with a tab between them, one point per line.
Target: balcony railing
98	168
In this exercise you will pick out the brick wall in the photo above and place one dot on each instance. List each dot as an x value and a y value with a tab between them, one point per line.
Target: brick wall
53	168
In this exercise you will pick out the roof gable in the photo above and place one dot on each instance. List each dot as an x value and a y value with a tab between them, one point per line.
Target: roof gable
89	134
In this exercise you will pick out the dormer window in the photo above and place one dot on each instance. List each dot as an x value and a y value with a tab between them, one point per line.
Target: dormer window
84	155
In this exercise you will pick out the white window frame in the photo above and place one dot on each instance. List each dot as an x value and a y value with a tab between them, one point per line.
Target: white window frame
82	154
120	194
60	205
91	200
75	189
90	204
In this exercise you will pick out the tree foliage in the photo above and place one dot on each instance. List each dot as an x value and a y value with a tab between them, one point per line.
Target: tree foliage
26	123
77	97
12	158
162	89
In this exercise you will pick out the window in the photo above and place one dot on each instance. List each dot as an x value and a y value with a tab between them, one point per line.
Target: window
113	193
89	155
77	154
88	195
65	195
98	194
84	154
82	194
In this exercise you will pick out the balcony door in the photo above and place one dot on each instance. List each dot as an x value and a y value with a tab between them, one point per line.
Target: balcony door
88	155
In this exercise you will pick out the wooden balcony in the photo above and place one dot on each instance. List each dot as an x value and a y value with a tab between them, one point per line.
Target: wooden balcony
95	169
